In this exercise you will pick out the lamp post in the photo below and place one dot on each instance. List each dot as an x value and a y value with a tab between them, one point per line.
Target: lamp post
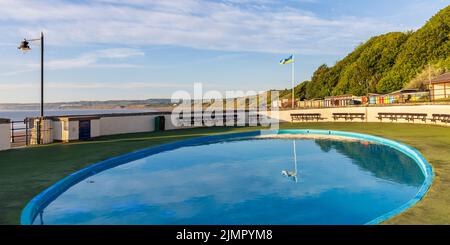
25	47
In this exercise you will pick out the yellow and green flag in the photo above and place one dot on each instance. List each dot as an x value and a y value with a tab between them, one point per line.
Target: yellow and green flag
288	60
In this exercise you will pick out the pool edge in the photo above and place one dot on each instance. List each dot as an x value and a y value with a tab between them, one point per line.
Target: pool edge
413	153
40	201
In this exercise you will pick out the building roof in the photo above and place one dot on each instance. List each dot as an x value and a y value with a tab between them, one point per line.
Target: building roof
442	78
343	96
106	115
75	118
405	91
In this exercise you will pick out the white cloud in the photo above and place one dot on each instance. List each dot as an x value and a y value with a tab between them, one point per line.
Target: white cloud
190	23
91	59
115	53
97	85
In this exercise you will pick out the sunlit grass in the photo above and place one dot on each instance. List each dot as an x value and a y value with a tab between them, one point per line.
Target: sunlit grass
26	172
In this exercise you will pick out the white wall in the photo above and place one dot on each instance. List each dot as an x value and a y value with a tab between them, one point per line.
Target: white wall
67	130
126	124
5	134
57	130
95	128
371	112
440	91
73	131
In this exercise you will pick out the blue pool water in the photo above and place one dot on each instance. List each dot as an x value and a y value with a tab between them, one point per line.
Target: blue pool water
241	182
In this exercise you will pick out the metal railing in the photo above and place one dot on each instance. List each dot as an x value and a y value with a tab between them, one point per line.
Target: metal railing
27	132
20	133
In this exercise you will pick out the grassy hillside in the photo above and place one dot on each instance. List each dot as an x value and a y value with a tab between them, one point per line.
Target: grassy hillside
385	63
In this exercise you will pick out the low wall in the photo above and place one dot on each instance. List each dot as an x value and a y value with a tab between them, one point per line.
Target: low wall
67	128
133	124
95	128
58	130
72	130
371	112
5	134
127	124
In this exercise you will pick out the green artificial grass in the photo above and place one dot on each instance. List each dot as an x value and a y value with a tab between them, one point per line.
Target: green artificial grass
26	172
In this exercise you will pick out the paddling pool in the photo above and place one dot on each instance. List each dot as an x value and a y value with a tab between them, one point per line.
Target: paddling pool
243	178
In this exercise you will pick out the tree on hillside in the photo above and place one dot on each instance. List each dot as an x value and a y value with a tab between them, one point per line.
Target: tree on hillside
384	63
429	44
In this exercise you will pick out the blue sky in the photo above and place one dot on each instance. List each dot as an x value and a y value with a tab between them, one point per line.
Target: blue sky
105	49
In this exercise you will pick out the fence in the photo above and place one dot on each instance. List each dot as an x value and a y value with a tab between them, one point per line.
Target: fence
20	133
30	131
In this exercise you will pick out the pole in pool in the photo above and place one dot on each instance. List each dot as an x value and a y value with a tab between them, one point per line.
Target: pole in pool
295	163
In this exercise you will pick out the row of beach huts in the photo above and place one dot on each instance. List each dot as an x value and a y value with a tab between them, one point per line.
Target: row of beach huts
438	89
401	96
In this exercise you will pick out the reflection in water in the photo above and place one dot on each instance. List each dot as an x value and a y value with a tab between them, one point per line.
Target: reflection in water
239	182
292	174
367	157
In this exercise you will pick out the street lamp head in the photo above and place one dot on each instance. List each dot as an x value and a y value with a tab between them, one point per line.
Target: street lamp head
24	46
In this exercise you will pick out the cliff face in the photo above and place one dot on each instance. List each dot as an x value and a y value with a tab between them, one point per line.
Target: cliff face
385	63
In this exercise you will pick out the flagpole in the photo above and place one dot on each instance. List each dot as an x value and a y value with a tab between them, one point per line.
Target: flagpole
292	81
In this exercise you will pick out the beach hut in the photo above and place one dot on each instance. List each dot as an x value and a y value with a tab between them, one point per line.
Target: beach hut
407	95
440	87
342	100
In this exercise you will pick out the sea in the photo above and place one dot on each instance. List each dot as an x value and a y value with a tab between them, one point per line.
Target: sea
20	115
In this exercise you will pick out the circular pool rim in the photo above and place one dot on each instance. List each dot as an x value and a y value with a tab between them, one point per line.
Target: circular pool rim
42	200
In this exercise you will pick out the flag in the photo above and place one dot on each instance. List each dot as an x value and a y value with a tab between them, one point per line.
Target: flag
288	60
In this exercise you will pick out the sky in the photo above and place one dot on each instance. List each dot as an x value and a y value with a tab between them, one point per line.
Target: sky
141	49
